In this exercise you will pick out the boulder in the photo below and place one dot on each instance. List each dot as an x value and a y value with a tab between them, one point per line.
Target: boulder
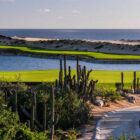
125	94
137	91
99	103
132	99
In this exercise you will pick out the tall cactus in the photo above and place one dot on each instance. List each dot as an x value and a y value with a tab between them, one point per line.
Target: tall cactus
78	76
61	75
85	80
15	104
69	72
77	66
69	78
33	110
44	117
134	82
52	113
138	82
28	124
56	83
65	66
74	82
122	79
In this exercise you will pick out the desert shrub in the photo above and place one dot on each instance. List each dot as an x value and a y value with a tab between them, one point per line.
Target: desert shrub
99	91
2	101
70	110
106	94
125	137
99	47
69	135
11	129
112	95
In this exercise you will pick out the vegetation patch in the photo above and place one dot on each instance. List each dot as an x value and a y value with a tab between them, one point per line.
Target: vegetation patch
105	78
99	47
96	55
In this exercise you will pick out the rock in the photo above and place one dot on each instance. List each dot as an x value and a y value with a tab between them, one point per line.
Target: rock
99	103
124	94
131	99
137	91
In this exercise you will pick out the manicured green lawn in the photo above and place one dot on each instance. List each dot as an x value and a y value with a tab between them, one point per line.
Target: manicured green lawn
91	54
107	78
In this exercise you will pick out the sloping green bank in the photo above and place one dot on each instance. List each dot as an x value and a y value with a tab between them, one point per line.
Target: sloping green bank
107	78
90	54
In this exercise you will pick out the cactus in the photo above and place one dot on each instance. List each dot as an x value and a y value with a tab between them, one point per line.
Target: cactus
74	82
65	66
5	91
69	72
138	82
56	83
77	66
122	79
61	75
15	105
81	86
85	80
28	124
134	82
44	117
52	113
33	110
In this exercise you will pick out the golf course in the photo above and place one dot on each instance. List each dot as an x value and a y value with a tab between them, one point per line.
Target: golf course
96	55
105	78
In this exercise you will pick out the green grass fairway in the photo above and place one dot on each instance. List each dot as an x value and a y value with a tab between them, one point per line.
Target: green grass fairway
91	54
107	78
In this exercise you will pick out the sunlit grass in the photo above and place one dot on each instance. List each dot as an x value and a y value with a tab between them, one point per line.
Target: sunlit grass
91	54
106	78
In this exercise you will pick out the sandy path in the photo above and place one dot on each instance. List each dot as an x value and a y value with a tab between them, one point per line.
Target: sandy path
118	122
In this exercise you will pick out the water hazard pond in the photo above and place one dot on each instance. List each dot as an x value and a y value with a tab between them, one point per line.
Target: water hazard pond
21	63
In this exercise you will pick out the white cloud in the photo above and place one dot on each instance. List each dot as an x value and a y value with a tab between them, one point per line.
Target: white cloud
45	10
76	12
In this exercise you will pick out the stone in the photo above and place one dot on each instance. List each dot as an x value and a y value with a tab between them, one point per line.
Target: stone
99	103
131	99
124	94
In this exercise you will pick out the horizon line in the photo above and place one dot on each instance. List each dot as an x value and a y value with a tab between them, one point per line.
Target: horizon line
70	28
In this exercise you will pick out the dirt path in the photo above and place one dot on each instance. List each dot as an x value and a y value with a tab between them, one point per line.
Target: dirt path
118	122
88	131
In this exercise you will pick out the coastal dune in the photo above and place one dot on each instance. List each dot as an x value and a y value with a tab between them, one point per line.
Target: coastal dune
115	47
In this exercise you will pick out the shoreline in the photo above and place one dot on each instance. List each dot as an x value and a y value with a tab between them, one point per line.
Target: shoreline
122	47
112	47
69	57
126	42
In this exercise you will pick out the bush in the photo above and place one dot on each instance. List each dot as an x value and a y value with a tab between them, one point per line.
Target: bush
70	111
106	94
112	95
125	137
11	129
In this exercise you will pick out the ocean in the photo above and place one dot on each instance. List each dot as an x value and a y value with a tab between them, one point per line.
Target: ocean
90	34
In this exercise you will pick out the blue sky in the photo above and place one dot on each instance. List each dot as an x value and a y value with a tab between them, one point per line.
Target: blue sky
96	14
